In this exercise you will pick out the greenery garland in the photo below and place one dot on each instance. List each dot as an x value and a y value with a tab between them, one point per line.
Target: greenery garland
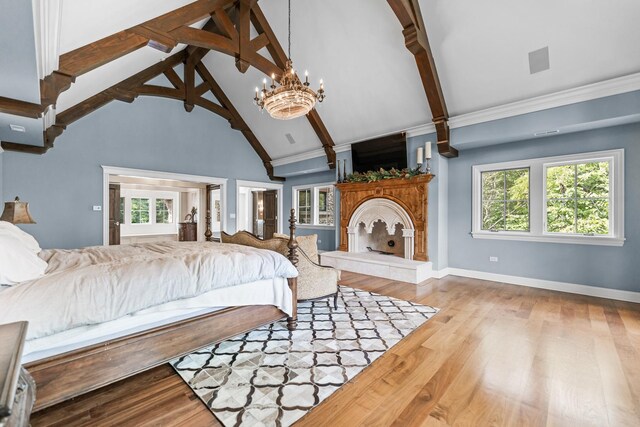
379	175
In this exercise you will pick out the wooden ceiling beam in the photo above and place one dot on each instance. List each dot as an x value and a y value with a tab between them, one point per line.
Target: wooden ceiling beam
20	108
280	58
416	40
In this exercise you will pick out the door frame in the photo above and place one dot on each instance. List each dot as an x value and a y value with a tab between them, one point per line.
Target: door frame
115	170
268	186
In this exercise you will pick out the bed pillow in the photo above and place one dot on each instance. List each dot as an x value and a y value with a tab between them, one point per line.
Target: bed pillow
27	239
18	263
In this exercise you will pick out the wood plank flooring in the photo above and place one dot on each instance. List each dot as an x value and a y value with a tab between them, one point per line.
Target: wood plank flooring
496	355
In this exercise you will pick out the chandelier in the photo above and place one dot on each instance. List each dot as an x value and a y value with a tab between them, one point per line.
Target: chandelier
292	98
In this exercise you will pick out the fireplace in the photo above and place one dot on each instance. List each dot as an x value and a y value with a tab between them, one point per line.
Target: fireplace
375	214
382	225
397	206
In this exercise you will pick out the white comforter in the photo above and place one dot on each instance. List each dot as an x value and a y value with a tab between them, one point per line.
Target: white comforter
99	284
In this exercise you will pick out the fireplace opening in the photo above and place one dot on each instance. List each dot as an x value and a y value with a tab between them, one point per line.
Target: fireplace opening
380	239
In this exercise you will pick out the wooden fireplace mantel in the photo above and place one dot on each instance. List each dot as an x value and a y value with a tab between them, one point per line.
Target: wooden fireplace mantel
412	194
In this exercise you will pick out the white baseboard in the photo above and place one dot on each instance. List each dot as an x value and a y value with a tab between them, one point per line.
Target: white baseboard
572	288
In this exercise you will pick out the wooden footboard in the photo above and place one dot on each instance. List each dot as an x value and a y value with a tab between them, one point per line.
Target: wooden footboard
71	374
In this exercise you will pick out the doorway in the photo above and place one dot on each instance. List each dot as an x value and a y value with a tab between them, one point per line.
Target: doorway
149	206
259	205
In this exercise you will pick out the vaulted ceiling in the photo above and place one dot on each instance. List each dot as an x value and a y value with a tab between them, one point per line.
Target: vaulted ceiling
373	85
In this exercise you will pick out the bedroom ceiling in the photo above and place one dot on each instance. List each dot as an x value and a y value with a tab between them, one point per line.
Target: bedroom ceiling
357	47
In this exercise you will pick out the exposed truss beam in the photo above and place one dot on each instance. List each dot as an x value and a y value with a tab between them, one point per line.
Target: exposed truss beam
415	38
128	90
228	31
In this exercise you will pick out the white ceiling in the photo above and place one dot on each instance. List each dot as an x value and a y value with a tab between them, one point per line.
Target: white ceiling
372	83
481	47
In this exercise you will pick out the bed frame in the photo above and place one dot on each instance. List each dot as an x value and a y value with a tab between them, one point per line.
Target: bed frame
64	376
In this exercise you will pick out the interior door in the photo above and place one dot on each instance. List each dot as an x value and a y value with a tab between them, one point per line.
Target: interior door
270	203
114	214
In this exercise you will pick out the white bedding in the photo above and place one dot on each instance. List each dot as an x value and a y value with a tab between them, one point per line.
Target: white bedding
263	292
101	284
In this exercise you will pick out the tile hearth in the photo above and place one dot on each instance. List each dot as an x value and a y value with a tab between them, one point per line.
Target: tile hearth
373	264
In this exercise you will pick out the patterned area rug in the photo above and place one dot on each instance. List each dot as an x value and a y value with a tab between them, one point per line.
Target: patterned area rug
272	376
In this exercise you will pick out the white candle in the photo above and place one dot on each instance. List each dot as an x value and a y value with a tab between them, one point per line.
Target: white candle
420	156
427	150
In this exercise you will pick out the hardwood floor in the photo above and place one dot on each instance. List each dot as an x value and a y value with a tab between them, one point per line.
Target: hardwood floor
495	355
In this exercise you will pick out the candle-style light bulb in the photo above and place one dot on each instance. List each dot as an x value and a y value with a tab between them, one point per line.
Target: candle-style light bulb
273	79
321	84
306	76
264	83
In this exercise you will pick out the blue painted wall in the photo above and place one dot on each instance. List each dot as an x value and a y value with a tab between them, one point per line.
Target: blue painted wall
151	133
611	267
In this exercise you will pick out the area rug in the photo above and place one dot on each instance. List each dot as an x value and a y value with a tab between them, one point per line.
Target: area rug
272	376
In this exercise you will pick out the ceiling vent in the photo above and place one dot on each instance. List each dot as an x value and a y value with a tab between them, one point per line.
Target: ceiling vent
539	60
290	138
17	128
546	132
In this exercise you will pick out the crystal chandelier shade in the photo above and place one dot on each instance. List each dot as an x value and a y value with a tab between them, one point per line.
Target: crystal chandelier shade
292	98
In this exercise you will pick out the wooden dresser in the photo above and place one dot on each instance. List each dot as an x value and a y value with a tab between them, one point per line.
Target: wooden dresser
188	232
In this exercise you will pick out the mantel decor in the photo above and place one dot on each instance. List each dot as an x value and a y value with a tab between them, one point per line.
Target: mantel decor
381	174
409	192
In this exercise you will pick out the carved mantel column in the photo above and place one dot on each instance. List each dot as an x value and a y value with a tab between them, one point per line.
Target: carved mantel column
411	194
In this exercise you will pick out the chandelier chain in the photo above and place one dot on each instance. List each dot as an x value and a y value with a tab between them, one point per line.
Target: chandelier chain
289	29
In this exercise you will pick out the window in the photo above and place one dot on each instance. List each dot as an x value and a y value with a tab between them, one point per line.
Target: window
325	206
315	205
569	199
139	210
505	200
164	211
304	206
578	198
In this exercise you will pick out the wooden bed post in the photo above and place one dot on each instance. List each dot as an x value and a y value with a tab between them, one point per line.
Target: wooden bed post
293	257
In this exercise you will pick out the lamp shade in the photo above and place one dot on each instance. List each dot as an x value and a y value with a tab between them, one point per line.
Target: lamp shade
17	212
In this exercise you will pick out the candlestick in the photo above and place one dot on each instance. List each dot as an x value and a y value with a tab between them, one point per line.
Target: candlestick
339	177
420	156
344	170
427	150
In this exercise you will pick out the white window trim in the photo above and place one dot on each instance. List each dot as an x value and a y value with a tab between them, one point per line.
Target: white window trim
128	229
537	200
314	196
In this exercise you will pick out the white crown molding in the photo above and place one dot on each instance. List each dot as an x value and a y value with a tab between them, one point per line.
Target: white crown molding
421	130
571	288
47	15
589	92
318	152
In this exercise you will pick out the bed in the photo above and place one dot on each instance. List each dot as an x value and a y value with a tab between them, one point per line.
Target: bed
102	314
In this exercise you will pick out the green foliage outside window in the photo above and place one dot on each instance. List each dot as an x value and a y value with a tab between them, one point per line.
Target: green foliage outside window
578	198
139	210
164	211
505	200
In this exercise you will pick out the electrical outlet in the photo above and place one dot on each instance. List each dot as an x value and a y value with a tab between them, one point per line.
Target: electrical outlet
493	258
97	208
319	241
232	215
